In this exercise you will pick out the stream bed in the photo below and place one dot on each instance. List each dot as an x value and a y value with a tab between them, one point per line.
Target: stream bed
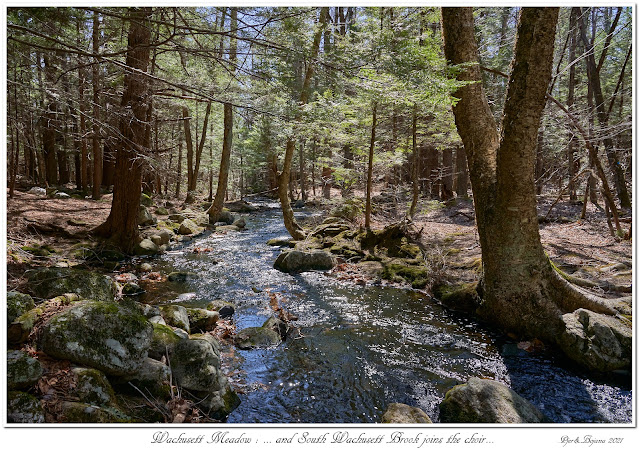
363	347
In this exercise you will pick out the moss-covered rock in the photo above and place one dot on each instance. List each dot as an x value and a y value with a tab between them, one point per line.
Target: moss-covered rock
24	408
36	250
54	281
132	289
460	297
93	387
103	335
416	275
196	365
218	404
281	242
189	227
153	377
23	371
20	329
257	337
146	200
486	401
144	216
176	316
226	217
401	413
17	304
162	341
161	211
202	319
77	412
277	325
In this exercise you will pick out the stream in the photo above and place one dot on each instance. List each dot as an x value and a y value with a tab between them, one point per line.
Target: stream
363	347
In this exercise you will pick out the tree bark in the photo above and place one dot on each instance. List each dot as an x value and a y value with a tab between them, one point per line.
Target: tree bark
521	291
97	153
291	224
572	169
461	171
121	227
50	119
369	172
227	142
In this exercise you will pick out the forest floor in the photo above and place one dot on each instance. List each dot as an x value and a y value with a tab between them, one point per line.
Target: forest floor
582	248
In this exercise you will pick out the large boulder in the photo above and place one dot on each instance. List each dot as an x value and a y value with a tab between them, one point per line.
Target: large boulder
104	335
79	412
240	206
24	408
176	316
23	371
195	364
597	341
54	281
18	304
226	217
146	200
296	261
401	413
153	376
486	401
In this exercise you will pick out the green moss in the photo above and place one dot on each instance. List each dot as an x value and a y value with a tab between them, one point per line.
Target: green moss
36	250
462	297
416	275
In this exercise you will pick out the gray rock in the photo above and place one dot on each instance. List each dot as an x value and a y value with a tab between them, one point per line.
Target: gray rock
162	341
23	408
202	319
196	365
108	336
189	227
157	319
226	217
486	401
240	206
176	316
257	337
145	267
156	239
218	404
597	341
23	371
277	325
281	242
224	309
61	195
132	289
51	282
295	261
41	192
144	216
165	235
161	211
299	204
176	217
401	413
153	376
181	333
147	311
146	247
93	387
17	304
240	223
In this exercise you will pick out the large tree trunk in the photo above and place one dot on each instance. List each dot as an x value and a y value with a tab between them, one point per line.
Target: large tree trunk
291	224
461	171
369	172
227	142
572	168
50	119
520	290
121	227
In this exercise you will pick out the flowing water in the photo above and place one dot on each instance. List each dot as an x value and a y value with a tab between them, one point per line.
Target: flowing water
363	347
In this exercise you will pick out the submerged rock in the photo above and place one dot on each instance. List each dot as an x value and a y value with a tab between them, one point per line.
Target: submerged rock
103	335
401	413
597	341
486	401
23	371
51	282
181	277
24	408
295	261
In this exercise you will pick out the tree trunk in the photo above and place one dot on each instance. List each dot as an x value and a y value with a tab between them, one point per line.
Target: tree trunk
284	177
97	154
121	227
447	174
227	142
369	173
461	171
521	292
415	171
186	117
179	169
572	169
49	134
